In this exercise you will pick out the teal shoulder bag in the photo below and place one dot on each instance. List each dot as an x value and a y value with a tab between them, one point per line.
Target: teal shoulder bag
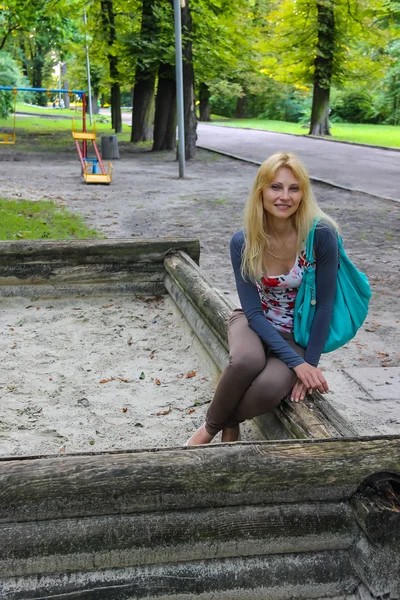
350	306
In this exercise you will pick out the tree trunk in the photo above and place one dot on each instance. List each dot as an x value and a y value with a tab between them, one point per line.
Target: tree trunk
323	67
64	84
188	84
108	17
116	117
165	115
145	77
240	110
204	97
95	104
143	109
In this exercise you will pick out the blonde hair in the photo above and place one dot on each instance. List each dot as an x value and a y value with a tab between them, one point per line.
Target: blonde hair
257	241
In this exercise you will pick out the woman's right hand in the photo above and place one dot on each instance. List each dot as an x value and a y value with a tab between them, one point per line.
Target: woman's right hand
311	377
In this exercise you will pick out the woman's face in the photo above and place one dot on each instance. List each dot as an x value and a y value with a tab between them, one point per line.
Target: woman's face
281	197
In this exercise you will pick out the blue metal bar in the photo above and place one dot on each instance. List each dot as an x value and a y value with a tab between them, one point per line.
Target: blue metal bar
20	89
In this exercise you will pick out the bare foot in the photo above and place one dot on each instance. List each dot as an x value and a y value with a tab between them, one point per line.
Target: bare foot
230	434
201	436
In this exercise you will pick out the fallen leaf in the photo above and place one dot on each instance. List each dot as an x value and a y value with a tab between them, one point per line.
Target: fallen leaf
91	442
142	375
163	412
76	309
38	308
158	382
108	306
191	374
29	306
370	330
382	354
62	449
106	380
152	354
124	410
123	379
129	342
11	387
191	410
138	425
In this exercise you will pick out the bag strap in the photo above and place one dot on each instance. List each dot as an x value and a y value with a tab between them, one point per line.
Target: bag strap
310	243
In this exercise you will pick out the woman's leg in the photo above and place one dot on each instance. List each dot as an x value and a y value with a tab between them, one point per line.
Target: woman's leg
246	360
270	387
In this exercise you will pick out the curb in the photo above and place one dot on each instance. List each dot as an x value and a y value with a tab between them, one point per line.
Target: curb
312	179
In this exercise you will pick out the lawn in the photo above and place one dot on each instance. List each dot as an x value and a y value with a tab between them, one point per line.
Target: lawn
54	134
379	135
27	220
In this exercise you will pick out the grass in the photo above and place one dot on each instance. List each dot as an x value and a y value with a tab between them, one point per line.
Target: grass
379	135
54	134
27	220
47	110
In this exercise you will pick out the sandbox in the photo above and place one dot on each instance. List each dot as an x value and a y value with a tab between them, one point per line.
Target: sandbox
119	337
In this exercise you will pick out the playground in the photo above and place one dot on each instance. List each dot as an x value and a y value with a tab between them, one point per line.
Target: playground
147	200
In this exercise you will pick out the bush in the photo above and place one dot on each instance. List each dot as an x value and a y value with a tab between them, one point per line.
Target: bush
356	106
10	75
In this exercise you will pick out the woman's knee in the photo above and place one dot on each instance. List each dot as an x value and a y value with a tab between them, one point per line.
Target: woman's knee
247	364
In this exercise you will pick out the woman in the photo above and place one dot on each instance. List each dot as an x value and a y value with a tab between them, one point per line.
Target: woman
268	259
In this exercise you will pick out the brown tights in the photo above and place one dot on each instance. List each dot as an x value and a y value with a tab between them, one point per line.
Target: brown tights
255	380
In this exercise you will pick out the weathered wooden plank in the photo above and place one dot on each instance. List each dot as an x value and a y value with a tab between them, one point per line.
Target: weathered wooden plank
198	289
59	290
64	272
120	251
121	541
283	577
210	341
194	477
332	415
304	420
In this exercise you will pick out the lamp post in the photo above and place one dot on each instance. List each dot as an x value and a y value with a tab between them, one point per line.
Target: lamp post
179	85
88	68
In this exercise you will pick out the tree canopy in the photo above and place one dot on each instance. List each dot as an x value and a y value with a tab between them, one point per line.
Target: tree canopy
309	60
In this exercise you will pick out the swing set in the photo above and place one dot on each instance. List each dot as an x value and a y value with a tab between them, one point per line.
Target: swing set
93	169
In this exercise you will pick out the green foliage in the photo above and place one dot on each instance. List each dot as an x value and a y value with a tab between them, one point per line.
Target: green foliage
10	75
354	106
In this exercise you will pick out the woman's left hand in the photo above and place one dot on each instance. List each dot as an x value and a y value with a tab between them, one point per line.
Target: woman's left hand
299	391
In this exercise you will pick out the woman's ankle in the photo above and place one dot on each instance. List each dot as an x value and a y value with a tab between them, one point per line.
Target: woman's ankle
230	434
201	436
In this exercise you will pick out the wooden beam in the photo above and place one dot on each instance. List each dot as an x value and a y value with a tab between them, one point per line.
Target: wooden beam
83	261
66	545
194	477
286	576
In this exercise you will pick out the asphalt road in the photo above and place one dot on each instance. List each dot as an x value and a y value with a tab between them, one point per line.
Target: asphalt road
358	168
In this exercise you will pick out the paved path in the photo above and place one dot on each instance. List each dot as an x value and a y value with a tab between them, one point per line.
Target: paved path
359	168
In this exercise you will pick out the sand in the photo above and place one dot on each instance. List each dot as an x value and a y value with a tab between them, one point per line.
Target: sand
99	373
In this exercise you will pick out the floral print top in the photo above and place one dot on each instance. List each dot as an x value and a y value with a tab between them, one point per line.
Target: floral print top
278	294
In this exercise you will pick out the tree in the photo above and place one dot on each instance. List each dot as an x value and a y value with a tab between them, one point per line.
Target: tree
145	76
188	83
323	67
109	28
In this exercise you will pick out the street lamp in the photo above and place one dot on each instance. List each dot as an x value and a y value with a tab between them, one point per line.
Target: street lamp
178	4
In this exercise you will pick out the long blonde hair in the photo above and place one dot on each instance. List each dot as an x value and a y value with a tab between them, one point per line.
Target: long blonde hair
257	241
